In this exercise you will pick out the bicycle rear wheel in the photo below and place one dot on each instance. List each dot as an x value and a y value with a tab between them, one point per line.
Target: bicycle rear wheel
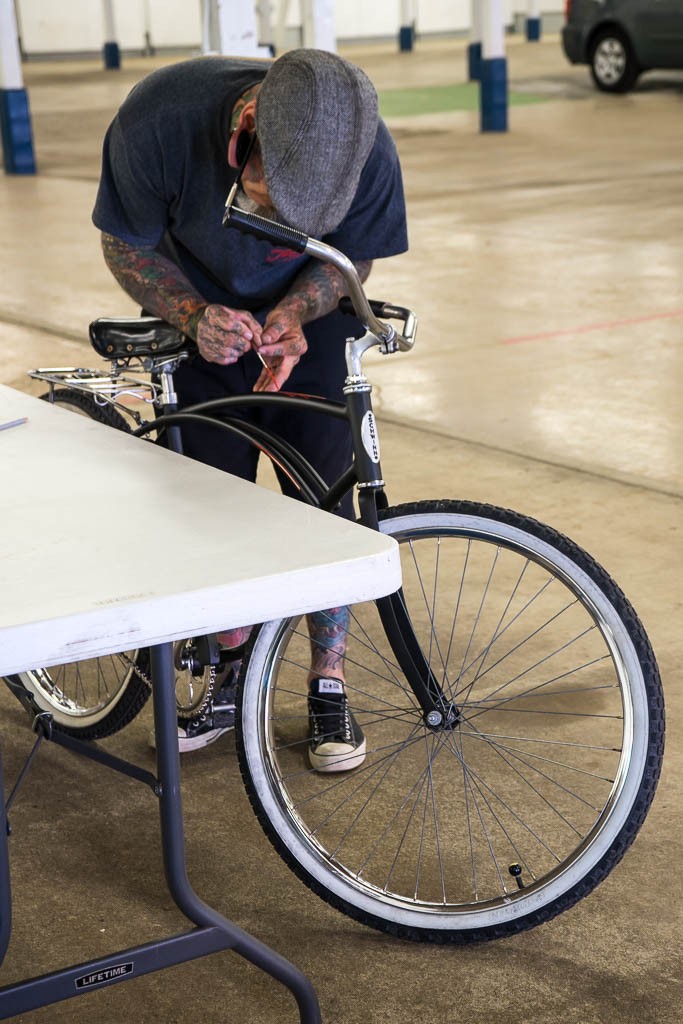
524	804
85	405
94	698
90	699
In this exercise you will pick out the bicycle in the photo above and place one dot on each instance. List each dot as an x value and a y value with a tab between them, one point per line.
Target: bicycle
509	696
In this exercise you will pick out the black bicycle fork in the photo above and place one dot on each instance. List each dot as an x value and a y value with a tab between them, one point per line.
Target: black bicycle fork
439	711
213	932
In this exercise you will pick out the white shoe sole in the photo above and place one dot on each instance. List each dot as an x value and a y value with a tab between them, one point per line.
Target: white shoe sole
338	757
185	745
197	742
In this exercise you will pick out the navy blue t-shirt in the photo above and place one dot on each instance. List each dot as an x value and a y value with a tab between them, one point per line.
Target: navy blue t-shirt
165	178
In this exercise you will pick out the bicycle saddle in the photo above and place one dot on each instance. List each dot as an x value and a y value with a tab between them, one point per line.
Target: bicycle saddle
136	336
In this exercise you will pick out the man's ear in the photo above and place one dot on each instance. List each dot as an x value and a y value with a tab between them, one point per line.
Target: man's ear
237	147
241	136
247	118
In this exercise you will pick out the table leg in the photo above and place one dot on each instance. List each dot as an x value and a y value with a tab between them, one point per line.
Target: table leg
214	932
5	890
173	841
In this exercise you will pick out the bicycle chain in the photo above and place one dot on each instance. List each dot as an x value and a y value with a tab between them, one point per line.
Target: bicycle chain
208	696
146	679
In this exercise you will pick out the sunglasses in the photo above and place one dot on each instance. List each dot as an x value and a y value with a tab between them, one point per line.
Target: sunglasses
245	146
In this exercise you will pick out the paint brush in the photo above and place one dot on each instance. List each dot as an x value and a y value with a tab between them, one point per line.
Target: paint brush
267	369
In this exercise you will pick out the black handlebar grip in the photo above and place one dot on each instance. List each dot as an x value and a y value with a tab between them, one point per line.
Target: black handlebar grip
346	306
270	230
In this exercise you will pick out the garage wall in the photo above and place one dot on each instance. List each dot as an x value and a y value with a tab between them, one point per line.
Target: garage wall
51	26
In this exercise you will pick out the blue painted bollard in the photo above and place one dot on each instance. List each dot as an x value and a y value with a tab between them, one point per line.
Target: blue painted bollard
474	62
112	56
494	95
17	138
406	38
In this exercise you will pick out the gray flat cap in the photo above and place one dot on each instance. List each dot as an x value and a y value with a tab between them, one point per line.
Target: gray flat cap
316	119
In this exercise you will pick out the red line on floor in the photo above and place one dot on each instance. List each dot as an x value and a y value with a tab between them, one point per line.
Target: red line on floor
549	335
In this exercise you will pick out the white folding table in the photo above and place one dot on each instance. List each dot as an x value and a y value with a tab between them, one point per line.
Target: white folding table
109	543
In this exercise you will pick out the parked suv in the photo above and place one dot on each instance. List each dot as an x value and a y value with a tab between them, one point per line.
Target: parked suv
621	38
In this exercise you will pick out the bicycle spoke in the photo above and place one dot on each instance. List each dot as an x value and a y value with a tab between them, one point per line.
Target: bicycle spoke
492	702
481	783
389	765
424	830
468	817
349	661
498	750
498	632
511	623
541	661
368	766
454	619
513	845
476	621
489	738
369	773
397	814
430	609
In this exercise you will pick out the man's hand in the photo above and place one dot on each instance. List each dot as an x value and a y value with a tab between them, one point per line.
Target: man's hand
224	335
281	344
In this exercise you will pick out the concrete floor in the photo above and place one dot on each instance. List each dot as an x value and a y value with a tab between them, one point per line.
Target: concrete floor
546	266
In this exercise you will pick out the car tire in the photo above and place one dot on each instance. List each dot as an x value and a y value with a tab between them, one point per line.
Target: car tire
612	62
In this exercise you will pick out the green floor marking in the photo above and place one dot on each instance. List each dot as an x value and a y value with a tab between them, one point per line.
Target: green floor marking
437	99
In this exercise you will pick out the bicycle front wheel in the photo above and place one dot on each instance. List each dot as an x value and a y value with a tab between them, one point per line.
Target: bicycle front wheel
521	806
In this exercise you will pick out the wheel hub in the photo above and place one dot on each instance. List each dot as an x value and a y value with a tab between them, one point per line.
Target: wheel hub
442	719
610	61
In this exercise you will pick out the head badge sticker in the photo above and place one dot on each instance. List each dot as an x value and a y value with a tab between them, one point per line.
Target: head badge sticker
368	433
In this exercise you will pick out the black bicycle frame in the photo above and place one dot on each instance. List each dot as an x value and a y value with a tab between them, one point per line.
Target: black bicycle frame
365	472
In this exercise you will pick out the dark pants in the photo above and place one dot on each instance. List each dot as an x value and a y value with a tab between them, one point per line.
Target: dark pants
323	440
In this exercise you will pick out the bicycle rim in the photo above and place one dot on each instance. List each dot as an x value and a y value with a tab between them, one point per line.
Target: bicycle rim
89	696
523	805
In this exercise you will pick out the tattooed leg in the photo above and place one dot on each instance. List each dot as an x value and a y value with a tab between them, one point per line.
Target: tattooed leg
234	637
328	631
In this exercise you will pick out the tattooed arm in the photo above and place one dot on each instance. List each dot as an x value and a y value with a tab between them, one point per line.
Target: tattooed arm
315	292
222	334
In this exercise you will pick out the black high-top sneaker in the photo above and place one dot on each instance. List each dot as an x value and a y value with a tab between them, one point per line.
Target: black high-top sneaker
337	743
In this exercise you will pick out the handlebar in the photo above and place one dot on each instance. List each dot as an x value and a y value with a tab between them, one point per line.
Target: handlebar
368	313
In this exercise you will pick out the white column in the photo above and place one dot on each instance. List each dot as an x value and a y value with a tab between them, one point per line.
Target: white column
477	21
11	76
15	117
474	48
406	32
229	27
493	80
281	25
108	15
209	32
147	23
409	11
318	24
264	18
110	51
533	21
492	29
